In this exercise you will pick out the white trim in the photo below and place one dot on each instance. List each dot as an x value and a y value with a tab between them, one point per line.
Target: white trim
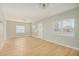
75	48
19	20
34	36
23	36
2	44
18	37
2	35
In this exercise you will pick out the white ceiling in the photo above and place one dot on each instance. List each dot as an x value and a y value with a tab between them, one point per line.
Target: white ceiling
31	12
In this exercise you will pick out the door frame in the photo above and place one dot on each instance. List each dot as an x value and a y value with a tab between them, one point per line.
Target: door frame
2	35
40	30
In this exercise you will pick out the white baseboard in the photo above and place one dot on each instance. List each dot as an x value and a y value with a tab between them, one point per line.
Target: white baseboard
2	44
18	37
23	36
34	36
75	48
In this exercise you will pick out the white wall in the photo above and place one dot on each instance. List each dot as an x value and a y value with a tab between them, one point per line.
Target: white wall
50	35
3	21
11	29
27	29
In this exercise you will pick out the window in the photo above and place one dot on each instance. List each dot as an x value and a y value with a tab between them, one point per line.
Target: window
64	26
20	29
58	26
68	25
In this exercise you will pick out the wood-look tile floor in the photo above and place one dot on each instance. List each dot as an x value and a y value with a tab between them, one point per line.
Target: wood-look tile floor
29	46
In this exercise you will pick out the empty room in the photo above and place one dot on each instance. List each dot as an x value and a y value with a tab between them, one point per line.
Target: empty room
39	29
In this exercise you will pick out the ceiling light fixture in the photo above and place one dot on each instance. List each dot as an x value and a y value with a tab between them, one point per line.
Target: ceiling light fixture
44	5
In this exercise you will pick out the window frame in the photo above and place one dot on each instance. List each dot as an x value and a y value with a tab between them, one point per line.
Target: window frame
19	29
61	32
